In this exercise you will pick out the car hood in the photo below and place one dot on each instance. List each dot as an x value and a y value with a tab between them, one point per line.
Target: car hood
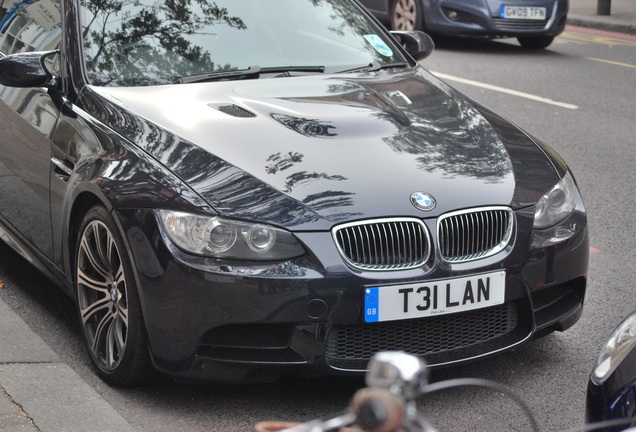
309	152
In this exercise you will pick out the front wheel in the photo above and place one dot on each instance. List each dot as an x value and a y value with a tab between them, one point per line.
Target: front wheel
406	15
540	42
108	302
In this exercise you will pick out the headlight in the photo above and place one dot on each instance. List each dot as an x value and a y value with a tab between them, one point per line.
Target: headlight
556	205
619	345
224	238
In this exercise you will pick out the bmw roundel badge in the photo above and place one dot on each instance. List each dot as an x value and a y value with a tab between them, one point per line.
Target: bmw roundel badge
423	201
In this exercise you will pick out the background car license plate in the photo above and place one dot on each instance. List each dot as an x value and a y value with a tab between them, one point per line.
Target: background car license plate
522	12
438	297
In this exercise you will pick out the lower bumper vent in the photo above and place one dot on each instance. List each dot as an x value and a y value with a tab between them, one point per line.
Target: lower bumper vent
350	347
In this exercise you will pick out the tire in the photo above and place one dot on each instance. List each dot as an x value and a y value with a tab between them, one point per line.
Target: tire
540	42
108	302
406	15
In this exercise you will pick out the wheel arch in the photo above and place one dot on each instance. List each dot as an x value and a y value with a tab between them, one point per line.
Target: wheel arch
81	205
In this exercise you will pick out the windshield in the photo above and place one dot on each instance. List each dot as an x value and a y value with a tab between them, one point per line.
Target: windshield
150	42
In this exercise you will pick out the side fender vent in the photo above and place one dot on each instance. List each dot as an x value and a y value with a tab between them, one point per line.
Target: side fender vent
233	110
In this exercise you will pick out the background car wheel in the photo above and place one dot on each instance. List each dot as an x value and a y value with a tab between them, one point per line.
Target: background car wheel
406	15
535	42
108	302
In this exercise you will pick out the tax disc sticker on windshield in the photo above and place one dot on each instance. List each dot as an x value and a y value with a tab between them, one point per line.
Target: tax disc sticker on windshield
379	45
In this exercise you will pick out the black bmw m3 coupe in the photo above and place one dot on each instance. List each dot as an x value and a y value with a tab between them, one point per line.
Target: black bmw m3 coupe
234	189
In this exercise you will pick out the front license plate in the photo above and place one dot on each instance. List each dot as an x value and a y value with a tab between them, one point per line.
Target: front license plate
438	297
522	12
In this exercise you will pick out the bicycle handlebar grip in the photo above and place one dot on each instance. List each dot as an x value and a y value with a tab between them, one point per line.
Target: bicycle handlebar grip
378	410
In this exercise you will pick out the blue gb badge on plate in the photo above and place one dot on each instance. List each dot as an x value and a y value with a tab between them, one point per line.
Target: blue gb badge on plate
371	311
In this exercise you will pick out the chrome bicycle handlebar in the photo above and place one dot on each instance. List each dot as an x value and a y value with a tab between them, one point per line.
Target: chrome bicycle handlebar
394	380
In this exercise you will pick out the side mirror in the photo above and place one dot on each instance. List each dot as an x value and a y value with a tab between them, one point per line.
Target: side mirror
26	69
418	44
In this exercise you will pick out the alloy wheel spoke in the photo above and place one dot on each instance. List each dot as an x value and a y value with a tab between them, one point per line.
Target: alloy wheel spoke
111	249
87	251
123	313
110	350
122	301
94	309
100	248
120	331
114	343
87	281
101	333
119	278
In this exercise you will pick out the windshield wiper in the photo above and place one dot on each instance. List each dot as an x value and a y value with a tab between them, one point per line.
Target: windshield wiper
375	66
251	72
281	69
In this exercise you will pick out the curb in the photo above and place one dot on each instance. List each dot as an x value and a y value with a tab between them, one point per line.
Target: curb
602	23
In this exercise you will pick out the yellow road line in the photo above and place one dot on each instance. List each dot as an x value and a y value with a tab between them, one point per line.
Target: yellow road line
584	38
612	62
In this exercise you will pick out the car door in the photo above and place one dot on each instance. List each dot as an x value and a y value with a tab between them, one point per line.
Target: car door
28	118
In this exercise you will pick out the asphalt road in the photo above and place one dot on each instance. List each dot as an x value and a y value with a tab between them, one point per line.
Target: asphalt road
579	97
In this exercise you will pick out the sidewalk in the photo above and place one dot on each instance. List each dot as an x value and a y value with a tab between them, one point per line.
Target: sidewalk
38	393
622	19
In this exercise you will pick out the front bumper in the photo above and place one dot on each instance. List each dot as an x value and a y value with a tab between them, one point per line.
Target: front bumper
225	321
481	18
